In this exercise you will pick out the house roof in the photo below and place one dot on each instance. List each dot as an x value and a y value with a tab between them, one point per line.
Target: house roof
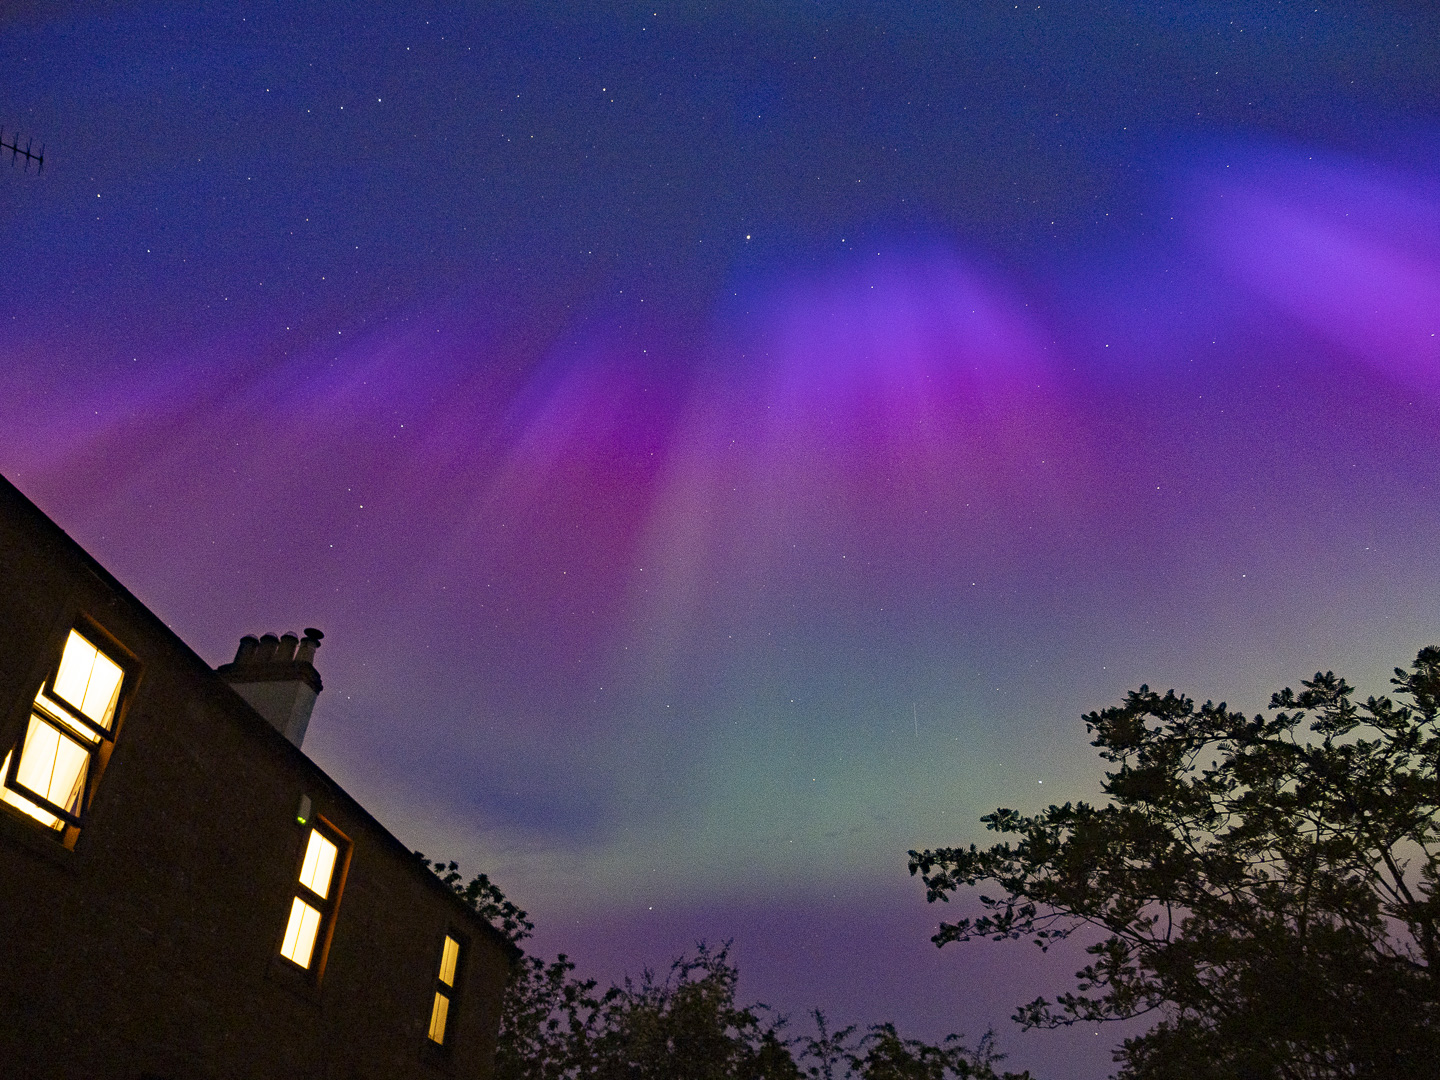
13	500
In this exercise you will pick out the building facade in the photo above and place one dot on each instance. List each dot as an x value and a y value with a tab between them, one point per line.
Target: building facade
183	893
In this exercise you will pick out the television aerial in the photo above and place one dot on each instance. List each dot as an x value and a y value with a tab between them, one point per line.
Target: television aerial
26	154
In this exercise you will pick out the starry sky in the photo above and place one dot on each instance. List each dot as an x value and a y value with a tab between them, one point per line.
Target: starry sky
727	446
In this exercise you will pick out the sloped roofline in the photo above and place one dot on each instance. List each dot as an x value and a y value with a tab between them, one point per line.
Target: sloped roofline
241	710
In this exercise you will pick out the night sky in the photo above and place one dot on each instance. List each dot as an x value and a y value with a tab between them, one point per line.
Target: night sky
728	446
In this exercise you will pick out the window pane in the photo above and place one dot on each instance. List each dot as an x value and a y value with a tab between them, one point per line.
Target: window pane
299	941
447	961
438	1012
53	765
103	691
319	865
88	679
75	664
23	804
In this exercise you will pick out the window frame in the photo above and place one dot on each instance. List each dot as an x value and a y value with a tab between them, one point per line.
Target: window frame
450	992
13	784
328	906
52	694
98	749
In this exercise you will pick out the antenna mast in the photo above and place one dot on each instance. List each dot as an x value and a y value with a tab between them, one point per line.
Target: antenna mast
25	153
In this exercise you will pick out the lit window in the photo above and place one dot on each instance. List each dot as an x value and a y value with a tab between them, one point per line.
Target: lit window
88	680
319	864
315	903
72	716
440	1008
299	943
447	961
439	1012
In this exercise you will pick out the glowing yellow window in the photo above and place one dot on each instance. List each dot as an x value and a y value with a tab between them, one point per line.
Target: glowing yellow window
319	864
314	905
299	944
439	1013
88	680
71	717
440	1007
448	956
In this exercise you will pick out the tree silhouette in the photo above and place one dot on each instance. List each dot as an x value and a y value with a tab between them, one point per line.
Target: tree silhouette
685	1026
1264	887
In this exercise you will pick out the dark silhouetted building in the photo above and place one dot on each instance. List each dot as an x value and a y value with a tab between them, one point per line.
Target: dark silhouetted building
183	893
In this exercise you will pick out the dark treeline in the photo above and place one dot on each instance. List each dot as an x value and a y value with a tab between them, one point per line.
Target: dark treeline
1265	889
555	1026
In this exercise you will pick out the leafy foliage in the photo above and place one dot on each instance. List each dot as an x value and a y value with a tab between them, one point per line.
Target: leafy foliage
549	1023
687	1025
485	897
1265	887
882	1054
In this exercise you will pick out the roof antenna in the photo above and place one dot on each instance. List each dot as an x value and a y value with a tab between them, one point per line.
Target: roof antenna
27	152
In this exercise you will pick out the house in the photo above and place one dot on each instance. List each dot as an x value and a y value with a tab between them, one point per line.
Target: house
183	893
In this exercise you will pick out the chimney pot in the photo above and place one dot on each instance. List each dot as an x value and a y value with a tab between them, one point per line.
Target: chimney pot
308	644
268	644
246	652
286	652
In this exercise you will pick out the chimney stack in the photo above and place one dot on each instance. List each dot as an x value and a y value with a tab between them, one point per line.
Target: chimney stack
277	676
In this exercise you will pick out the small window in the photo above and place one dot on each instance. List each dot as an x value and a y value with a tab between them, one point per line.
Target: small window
71	719
314	903
444	990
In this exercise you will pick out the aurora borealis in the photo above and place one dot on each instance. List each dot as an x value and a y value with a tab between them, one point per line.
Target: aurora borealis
727	447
